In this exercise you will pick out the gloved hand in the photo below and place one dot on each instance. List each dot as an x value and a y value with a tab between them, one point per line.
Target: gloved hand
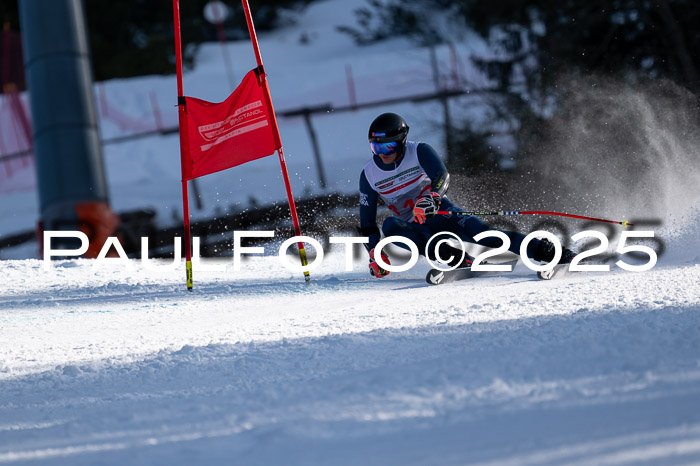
426	207
374	268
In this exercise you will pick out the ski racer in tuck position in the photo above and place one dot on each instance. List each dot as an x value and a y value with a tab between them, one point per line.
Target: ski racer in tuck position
412	180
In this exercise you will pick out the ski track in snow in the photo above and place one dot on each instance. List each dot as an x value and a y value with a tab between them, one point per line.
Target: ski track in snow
126	367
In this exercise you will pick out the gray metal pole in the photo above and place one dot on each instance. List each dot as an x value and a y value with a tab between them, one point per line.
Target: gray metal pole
317	151
70	170
306	112
447	121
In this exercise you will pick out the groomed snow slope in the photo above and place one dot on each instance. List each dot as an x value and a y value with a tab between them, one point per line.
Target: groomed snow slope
117	367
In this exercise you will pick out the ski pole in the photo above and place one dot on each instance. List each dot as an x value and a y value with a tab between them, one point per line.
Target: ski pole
531	212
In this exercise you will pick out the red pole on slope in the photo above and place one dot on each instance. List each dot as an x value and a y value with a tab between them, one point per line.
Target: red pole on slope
262	79
531	212
156	112
184	141
219	22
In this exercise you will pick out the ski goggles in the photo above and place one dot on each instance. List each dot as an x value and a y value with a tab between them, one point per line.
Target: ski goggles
384	148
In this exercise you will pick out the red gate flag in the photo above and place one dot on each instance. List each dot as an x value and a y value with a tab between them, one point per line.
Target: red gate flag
214	137
229	133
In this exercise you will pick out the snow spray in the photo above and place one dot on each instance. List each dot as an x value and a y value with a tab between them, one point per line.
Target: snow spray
624	149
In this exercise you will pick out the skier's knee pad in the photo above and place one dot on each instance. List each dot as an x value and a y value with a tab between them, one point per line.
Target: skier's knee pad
392	226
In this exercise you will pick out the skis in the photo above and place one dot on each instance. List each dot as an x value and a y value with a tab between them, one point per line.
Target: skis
562	270
558	270
439	277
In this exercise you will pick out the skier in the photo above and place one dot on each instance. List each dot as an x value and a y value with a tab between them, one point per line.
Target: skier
412	180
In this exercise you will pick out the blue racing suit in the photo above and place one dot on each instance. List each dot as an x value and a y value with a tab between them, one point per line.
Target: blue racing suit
466	227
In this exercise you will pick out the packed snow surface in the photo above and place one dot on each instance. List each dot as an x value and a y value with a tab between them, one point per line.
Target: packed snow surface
114	365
